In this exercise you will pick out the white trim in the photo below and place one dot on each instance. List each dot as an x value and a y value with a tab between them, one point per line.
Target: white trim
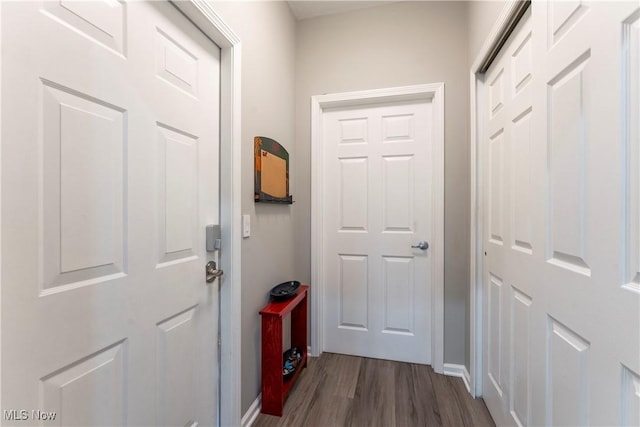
459	371
435	93
252	413
466	378
476	89
1	45
209	22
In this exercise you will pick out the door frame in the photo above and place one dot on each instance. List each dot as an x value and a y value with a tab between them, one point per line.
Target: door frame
203	16
434	93
502	28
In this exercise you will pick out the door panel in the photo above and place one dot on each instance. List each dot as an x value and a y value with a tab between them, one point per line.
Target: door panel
75	390
522	175
398	285
519	353
567	171
377	206
83	186
109	175
353	200
630	414
175	373
560	139
397	181
354	310
104	23
496	189
567	373
495	333
178	192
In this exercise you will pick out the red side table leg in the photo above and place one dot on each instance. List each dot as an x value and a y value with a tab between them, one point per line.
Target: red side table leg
272	398
299	327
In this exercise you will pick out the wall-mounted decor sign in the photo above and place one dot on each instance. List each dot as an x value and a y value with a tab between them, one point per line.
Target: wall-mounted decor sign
271	175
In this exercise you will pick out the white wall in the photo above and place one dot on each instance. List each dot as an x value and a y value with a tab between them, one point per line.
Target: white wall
267	33
394	45
482	15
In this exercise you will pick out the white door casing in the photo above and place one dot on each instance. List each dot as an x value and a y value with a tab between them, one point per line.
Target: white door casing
559	150
376	192
116	186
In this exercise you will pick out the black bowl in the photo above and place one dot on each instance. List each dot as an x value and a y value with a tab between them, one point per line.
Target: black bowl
285	290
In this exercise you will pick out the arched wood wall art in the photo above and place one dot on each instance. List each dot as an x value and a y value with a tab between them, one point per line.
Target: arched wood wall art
271	175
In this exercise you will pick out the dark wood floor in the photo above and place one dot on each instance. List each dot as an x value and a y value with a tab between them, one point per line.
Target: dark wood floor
339	390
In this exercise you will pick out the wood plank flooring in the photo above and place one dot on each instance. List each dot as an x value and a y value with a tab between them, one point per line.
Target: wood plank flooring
340	390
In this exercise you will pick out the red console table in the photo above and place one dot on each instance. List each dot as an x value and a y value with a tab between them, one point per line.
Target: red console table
274	388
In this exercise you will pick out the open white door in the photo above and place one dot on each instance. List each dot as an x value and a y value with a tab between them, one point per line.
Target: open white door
561	220
110	142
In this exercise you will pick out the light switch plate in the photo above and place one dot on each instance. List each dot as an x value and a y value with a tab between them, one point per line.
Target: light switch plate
246	225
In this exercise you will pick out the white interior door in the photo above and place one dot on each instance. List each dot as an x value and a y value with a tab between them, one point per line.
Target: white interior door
509	155
561	229
377	191
110	123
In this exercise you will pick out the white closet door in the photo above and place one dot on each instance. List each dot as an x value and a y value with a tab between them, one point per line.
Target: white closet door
562	325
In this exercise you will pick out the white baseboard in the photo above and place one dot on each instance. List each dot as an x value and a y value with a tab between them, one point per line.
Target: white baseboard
467	381
459	371
252	413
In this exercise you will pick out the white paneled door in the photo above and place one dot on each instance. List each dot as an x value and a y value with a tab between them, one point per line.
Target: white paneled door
377	190
110	123
561	229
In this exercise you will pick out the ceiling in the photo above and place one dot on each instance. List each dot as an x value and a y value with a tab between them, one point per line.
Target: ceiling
304	9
